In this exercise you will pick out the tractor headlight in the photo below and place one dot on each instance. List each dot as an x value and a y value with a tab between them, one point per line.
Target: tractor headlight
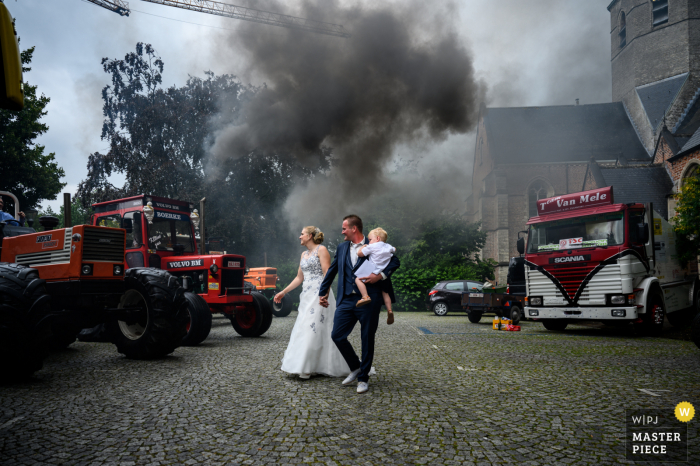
86	269
213	269
118	269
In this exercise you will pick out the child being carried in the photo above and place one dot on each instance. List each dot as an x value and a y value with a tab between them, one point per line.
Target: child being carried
379	252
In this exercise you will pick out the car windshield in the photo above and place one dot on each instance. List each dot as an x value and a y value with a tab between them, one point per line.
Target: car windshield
583	232
169	229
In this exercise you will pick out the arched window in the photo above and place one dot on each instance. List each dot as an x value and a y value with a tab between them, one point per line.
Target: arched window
659	12
691	171
539	189
623	30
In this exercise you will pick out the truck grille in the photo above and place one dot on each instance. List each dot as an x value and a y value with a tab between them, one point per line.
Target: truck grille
61	256
608	280
103	245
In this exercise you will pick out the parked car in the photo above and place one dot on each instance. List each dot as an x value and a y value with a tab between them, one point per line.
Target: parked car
446	295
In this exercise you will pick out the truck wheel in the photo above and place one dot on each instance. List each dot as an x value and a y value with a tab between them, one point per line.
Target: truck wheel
474	316
156	332
24	321
440	308
653	320
266	305
695	331
554	325
282	309
248	321
198	320
515	314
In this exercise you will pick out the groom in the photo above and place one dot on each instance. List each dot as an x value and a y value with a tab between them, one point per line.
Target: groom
347	315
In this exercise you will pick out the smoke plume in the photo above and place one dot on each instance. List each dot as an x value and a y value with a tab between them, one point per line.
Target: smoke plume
402	80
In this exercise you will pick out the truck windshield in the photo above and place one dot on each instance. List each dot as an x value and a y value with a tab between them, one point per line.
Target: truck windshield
163	233
583	232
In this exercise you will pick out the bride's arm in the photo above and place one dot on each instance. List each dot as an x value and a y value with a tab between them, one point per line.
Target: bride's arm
325	258
296	282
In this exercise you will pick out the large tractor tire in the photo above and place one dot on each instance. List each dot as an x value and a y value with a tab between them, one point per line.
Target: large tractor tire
156	332
198	320
282	309
695	331
24	321
267	313
253	320
652	324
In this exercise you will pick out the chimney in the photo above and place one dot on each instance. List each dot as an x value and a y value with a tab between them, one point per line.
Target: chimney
576	101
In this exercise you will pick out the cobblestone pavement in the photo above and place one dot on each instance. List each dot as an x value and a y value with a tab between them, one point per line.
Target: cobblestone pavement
446	392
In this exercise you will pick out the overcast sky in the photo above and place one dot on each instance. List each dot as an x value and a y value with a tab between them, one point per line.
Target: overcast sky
529	53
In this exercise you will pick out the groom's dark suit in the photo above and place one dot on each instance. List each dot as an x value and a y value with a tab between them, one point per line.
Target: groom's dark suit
347	315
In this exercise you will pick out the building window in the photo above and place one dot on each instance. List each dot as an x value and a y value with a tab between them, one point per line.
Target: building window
537	190
659	11
691	172
623	30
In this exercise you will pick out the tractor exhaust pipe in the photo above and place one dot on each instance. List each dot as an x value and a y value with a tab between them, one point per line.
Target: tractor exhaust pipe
67	220
202	241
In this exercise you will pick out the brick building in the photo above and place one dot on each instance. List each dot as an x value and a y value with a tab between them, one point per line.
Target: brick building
643	143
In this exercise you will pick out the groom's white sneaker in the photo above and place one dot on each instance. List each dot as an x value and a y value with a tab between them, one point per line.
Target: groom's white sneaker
351	378
362	387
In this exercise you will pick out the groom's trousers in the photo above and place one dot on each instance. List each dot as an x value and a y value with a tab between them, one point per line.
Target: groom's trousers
346	316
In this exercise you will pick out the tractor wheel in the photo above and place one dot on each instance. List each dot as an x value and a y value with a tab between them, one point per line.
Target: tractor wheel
24	321
266	304
554	325
695	331
653	320
199	320
160	327
247	322
282	309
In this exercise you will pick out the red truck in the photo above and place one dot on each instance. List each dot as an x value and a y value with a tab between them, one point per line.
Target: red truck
589	259
161	234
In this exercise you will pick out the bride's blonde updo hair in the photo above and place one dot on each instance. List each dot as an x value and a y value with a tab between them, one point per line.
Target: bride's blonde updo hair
316	234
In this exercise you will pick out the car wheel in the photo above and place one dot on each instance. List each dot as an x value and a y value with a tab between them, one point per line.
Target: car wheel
440	308
515	314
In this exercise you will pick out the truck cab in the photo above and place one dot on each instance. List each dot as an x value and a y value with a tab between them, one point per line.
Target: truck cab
588	258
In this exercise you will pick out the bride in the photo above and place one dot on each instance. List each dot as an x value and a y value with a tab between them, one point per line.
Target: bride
310	349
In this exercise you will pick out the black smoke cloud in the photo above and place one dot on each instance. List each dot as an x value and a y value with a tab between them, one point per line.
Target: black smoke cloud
403	79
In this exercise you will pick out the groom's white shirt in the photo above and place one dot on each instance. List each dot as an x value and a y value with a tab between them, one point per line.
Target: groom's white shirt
354	247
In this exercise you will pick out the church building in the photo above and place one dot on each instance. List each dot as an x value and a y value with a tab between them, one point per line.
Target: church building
643	143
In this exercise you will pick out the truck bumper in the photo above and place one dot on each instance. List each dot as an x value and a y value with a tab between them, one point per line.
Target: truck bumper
581	313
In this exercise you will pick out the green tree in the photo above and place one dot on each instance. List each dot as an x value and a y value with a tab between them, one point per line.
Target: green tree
27	172
79	215
686	222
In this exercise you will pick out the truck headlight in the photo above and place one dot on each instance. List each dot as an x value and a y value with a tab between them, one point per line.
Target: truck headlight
534	312
618	299
535	301
619	313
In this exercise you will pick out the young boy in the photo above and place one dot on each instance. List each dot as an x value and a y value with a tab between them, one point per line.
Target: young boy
379	253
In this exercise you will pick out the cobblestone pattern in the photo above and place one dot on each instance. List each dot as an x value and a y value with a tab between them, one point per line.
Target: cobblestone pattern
463	394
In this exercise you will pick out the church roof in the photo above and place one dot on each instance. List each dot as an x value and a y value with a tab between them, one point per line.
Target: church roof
658	96
692	143
570	133
640	184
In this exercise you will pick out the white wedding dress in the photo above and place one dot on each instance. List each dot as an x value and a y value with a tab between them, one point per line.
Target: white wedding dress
310	349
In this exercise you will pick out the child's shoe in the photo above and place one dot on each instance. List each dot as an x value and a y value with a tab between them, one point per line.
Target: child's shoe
390	317
364	301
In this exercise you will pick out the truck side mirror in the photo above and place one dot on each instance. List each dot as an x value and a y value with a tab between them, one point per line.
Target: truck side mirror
643	232
128	225
521	246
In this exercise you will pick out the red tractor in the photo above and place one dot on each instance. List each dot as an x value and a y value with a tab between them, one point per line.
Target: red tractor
161	233
55	282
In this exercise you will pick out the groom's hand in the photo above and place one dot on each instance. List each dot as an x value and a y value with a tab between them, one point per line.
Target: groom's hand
323	301
371	279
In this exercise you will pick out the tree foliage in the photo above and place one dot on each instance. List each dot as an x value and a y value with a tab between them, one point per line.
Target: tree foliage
79	215
686	222
27	172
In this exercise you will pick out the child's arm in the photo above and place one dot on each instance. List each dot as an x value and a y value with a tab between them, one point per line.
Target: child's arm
359	251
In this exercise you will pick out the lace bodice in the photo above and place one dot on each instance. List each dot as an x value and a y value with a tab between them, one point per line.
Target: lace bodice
311	267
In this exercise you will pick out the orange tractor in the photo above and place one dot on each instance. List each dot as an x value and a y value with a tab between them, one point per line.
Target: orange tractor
265	279
161	233
55	282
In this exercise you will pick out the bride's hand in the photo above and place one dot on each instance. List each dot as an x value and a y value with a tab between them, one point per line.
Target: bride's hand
278	297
